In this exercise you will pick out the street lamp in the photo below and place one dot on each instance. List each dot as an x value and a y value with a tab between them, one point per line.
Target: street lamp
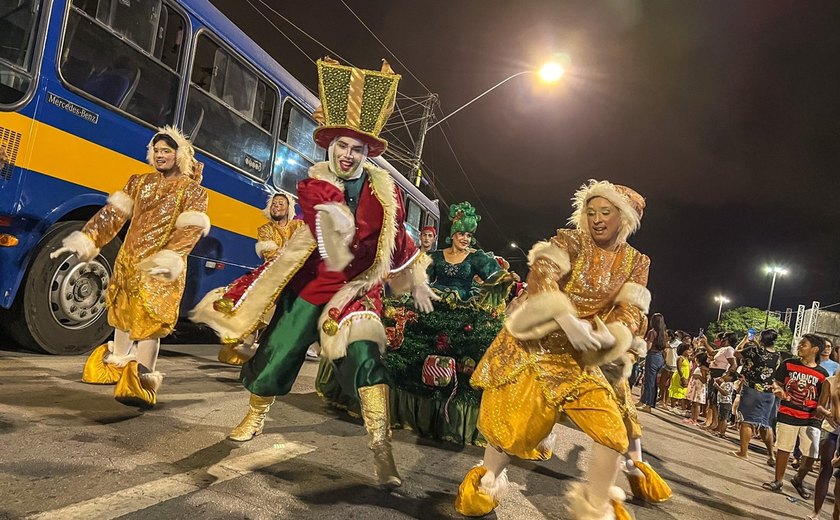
775	270
514	246
722	299
550	72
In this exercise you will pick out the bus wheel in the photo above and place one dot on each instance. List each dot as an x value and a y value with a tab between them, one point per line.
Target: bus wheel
62	308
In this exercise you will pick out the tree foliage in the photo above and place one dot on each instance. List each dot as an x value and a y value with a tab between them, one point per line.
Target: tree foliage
740	319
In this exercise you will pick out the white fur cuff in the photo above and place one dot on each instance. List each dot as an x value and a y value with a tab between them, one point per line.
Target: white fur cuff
634	294
404	279
166	259
537	312
264	246
334	230
194	218
122	201
81	245
551	252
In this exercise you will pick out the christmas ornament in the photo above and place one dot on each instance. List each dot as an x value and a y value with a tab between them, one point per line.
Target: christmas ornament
468	327
442	342
396	334
466	365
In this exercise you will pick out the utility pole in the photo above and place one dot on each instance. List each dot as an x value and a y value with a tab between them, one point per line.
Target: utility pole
428	113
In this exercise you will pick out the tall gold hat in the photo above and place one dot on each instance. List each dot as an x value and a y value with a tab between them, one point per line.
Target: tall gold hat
354	102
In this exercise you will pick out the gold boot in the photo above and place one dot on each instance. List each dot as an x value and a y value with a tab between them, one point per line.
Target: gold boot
102	367
229	355
135	389
474	497
648	486
252	424
377	417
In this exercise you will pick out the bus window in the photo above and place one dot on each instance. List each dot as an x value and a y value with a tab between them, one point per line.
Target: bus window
412	219
18	32
230	110
111	51
296	150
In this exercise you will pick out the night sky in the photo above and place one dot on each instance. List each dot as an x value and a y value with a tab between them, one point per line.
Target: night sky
724	115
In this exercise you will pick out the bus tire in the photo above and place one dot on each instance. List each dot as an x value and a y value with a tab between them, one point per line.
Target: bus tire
61	308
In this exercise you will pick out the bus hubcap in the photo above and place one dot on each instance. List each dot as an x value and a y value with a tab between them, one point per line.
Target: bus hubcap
77	292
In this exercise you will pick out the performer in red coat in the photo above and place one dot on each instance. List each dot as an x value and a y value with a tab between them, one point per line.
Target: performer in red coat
328	280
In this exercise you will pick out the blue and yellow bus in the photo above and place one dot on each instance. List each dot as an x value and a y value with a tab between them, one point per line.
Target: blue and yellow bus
83	85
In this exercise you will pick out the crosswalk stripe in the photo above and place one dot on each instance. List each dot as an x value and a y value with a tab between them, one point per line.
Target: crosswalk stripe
145	495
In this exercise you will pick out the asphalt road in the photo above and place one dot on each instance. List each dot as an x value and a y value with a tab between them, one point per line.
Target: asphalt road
69	450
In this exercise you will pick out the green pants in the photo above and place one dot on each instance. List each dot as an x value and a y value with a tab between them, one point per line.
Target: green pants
282	351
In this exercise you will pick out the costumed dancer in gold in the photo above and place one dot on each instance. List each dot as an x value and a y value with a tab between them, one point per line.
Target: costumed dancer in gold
271	238
168	213
586	301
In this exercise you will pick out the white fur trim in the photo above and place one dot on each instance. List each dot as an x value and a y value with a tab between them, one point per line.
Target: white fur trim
262	293
290	213
498	488
635	294
151	380
118	361
197	219
82	245
184	155
580	508
630	220
356	326
639	347
535	317
334	230
167	259
616	493
618	369
382	185
623	340
412	274
264	246
549	251
122	201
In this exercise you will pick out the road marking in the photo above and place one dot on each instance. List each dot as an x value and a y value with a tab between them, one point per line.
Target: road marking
139	497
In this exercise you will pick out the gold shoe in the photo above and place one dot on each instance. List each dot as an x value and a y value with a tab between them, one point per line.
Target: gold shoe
252	424
229	356
135	389
473	499
376	414
649	486
102	367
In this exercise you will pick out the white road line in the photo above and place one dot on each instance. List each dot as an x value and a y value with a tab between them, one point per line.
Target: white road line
139	497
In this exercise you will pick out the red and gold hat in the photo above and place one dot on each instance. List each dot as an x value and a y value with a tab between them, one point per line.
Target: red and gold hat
355	103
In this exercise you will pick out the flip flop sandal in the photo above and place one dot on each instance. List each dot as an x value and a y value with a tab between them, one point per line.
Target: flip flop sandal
800	488
772	486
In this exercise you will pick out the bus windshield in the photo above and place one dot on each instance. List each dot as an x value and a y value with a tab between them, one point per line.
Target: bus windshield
18	34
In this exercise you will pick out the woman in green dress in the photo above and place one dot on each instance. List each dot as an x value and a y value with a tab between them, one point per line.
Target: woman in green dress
431	357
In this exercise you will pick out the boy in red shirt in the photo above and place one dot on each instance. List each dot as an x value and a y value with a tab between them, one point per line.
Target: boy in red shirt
798	383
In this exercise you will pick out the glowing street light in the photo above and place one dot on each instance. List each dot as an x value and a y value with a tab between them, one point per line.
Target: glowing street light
775	270
550	72
722	299
513	245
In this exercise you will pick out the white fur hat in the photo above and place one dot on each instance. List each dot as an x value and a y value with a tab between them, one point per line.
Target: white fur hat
629	203
184	155
289	215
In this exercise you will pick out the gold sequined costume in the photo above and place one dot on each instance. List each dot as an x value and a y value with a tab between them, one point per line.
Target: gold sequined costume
532	373
539	378
168	214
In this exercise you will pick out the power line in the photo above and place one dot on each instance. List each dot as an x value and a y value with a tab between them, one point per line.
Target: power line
267	19
469	182
385	46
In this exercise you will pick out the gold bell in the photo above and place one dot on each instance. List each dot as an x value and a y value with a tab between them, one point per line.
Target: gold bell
330	327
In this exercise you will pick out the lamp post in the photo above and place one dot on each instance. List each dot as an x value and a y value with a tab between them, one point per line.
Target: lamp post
514	246
550	72
775	270
722	299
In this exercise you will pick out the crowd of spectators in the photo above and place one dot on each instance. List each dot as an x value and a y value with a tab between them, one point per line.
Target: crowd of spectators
790	402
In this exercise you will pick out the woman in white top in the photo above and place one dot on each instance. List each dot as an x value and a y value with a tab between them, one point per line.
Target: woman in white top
720	360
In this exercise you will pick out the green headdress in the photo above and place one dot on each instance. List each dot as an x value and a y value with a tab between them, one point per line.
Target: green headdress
464	219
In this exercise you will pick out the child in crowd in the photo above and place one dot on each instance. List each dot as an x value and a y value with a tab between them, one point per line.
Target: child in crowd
697	387
725	387
679	381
